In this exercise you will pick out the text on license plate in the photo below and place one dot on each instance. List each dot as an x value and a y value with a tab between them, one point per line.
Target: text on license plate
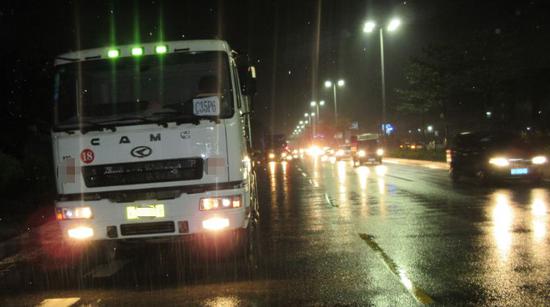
519	171
146	211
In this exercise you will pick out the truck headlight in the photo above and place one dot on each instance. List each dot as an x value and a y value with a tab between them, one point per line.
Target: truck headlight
73	213
380	151
216	203
361	153
499	161
539	160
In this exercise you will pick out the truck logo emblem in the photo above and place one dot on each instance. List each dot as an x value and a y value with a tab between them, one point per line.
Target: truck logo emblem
141	151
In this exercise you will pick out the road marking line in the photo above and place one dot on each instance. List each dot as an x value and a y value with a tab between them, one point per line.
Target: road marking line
59	302
401	178
304	174
329	201
418	293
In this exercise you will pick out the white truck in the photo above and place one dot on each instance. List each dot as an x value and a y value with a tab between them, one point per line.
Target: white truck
151	141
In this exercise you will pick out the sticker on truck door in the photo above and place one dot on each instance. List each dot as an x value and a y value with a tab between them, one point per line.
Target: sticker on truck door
206	106
87	156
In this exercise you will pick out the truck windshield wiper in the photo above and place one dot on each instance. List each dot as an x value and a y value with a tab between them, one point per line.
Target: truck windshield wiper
87	126
84	126
186	118
170	115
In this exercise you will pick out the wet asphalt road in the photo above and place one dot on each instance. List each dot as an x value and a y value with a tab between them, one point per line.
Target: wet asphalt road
333	234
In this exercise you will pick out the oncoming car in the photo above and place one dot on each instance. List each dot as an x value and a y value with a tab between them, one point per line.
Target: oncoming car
489	156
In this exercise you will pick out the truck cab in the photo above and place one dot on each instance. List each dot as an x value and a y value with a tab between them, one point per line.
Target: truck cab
152	141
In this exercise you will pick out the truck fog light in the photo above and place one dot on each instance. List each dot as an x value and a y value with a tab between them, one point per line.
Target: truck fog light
380	151
81	233
215	223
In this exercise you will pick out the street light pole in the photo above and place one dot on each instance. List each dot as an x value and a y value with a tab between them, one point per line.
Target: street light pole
368	28
335	106
383	81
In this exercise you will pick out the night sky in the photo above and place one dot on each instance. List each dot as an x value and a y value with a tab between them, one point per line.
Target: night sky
296	45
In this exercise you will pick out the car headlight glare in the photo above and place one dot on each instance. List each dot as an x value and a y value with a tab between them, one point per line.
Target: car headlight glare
217	203
380	151
499	161
271	156
539	160
73	213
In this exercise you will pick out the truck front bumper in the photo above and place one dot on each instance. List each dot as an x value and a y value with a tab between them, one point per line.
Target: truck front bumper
178	217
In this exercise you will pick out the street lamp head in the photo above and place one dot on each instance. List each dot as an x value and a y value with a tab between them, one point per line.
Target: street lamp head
369	26
313	104
301	122
306	114
307	122
341	82
312	113
322	103
394	24
328	83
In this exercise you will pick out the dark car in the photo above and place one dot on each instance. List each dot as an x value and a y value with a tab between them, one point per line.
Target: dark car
490	156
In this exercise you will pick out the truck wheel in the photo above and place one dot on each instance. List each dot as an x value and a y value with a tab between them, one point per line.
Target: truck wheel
537	181
251	248
484	178
454	174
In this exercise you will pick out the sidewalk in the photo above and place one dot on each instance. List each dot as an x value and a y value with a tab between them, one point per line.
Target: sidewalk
421	163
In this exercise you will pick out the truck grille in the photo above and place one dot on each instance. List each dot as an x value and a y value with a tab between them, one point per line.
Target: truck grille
142	172
147	228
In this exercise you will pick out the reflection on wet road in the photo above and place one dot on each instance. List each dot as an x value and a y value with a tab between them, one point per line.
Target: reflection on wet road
372	235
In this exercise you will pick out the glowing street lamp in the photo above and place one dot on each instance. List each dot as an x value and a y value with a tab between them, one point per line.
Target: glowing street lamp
329	84
392	26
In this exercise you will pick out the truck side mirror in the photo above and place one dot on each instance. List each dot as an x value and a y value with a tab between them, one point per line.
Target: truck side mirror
248	81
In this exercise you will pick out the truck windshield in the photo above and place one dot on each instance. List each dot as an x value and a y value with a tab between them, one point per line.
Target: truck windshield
368	143
149	88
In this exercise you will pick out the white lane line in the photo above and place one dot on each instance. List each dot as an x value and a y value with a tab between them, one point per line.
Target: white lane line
417	293
329	201
59	302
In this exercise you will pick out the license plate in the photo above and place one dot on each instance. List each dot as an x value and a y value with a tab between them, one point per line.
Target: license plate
519	171
145	211
206	106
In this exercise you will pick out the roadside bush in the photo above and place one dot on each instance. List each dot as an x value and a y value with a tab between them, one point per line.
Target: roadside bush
421	154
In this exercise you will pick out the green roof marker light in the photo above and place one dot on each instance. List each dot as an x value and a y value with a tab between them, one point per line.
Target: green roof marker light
113	53
161	49
137	51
